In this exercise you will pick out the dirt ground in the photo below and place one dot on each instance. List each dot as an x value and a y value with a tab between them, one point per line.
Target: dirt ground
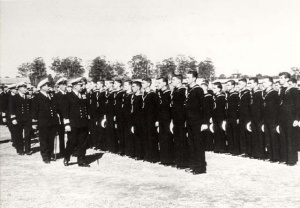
114	181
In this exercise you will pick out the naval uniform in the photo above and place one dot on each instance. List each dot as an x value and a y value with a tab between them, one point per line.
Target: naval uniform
270	121
178	113
44	114
101	144
244	119
127	124
208	106
166	143
194	115
219	113
256	124
150	137
94	117
118	114
75	114
111	138
288	114
20	111
232	127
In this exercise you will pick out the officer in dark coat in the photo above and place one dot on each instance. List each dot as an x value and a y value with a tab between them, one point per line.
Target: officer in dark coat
75	116
127	119
45	118
219	113
20	114
178	112
118	116
207	106
288	121
270	112
166	142
3	103
150	110
12	91
232	116
256	119
60	98
244	118
194	115
137	116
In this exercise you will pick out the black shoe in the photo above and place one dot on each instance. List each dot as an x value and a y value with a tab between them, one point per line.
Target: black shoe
47	161
188	170
28	153
21	153
291	164
66	162
197	172
84	165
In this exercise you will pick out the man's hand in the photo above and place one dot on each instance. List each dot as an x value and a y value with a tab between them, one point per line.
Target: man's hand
14	122
237	121
263	128
67	128
248	126
224	125
204	127
156	124
277	129
4	120
295	123
34	127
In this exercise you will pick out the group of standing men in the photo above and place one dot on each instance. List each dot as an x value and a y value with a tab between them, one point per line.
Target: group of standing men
174	124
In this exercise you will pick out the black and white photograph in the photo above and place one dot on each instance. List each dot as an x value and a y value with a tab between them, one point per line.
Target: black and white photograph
155	104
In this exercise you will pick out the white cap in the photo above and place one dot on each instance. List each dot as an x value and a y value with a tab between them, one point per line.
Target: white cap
21	84
75	81
42	83
11	86
63	79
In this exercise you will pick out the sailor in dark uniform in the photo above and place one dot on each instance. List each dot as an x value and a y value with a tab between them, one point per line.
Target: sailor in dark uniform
166	142
288	121
256	119
93	97
45	118
118	116
101	113
178	113
232	115
219	113
75	116
137	116
244	118
194	115
127	120
111	140
60	98
270	114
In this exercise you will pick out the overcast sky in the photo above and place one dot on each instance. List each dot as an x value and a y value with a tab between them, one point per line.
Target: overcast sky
252	36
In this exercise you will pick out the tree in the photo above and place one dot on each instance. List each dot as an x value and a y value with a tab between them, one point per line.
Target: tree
69	67
295	72
206	69
185	63
222	76
38	71
118	69
25	69
100	69
141	66
166	67
245	76
259	76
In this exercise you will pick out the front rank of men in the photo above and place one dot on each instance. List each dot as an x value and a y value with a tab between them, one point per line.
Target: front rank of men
173	125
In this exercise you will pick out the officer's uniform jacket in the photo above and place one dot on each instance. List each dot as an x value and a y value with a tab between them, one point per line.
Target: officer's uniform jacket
44	110
60	99
150	105
75	112
20	108
289	106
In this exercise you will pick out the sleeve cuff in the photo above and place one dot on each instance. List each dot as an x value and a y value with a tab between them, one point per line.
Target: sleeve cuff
66	122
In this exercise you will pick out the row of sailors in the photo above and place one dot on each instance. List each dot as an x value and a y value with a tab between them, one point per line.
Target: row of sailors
173	127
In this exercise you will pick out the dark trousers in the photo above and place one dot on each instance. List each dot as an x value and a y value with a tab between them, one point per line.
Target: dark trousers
22	141
47	135
128	138
196	146
166	143
271	141
120	134
288	142
101	140
150	139
111	138
138	140
61	135
94	132
181	144
245	138
219	136
12	131
257	140
77	137
232	134
208	139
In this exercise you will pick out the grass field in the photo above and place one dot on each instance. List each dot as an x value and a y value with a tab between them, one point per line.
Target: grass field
114	181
